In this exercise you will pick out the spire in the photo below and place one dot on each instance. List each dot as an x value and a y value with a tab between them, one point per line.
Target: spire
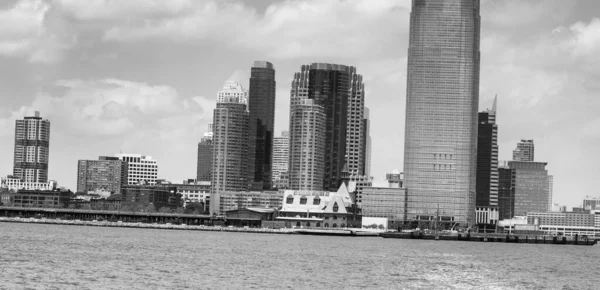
495	102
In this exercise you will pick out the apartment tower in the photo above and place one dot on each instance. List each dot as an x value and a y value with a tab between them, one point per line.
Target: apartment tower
441	110
32	141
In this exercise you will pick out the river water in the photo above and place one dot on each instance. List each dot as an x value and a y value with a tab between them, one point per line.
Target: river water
35	256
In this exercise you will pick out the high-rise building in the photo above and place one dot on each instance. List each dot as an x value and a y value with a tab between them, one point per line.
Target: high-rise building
140	169
550	190
356	137
204	166
233	89
104	174
506	194
32	142
281	154
487	159
331	87
367	143
230	149
307	145
441	110
261	107
530	186
524	151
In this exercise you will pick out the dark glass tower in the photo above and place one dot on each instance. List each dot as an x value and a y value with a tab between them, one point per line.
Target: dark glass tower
204	160
261	106
487	159
442	100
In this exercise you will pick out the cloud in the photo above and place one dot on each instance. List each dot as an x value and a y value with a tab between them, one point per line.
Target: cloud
27	30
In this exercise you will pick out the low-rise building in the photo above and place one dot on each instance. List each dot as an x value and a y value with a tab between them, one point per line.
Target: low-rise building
145	195
567	223
191	190
37	198
13	183
249	199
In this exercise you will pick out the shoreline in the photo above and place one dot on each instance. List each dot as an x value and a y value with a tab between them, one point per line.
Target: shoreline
147	226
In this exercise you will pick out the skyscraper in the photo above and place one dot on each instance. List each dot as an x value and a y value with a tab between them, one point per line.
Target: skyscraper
530	186
367	143
487	159
204	166
281	154
230	147
550	190
233	89
332	87
32	142
441	110
524	151
261	106
105	174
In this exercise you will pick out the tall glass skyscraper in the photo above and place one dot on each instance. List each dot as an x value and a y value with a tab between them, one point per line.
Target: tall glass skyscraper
261	106
441	110
32	142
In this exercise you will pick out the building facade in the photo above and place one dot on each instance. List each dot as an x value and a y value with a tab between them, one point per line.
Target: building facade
591	203
486	185
524	151
204	166
232	89
141	169
356	135
567	223
550	191
104	174
150	195
261	106
249	199
15	184
441	109
357	185
384	202
506	194
530	186
367	142
32	143
40	198
281	154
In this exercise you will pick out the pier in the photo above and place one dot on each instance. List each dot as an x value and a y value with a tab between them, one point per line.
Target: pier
498	238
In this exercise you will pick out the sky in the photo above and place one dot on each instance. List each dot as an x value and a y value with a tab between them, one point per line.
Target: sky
141	76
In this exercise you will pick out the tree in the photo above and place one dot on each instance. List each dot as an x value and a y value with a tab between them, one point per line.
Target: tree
164	209
151	208
194	207
179	210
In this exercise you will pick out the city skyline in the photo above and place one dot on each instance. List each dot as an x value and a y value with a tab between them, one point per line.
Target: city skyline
98	107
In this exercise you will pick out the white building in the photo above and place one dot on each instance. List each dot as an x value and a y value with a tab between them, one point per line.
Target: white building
233	89
140	168
16	184
281	153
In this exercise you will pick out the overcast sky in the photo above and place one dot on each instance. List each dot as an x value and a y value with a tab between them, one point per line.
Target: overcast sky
141	76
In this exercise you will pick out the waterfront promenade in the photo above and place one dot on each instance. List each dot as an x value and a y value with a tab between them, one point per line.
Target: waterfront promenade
147	225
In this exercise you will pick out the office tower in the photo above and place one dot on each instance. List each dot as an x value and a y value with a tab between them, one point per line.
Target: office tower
32	142
140	169
232	89
307	144
487	159
550	190
230	147
367	143
356	131
506	197
331	87
281	154
524	151
530	186
441	110
204	166
261	107
104	174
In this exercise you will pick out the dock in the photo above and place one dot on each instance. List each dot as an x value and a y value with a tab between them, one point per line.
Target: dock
497	238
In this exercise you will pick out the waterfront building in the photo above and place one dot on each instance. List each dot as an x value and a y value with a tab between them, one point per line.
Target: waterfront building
524	151
486	184
384	202
357	185
324	93
281	154
250	199
441	110
261	107
32	143
38	198
566	223
307	145
140	168
230	148
530	186
143	196
233	89
12	183
105	174
191	191
550	191
506	194
204	166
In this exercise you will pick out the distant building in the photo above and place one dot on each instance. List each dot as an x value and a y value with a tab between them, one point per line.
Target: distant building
204	166
283	181
32	142
281	154
486	186
530	186
506	194
367	142
567	224
395	178
261	107
105	174
146	195
250	199
40	198
524	151
591	203
356	132
140	168
550	190
357	185
384	202
192	191
558	208
233	89
12	183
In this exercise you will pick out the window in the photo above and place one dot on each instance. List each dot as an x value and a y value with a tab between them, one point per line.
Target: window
318	224
334	225
303	200
317	201
308	224
289	200
298	224
335	208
